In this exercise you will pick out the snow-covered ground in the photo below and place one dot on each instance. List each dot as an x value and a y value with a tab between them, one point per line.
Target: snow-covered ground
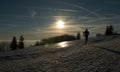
102	54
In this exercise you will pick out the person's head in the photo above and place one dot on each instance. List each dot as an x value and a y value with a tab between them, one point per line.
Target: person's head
14	37
86	29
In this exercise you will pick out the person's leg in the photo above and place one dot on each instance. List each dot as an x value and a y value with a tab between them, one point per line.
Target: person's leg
86	40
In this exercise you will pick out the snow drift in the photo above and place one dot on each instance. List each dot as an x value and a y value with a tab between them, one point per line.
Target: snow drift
102	54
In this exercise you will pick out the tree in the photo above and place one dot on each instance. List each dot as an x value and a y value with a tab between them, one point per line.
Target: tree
13	45
21	42
78	35
109	30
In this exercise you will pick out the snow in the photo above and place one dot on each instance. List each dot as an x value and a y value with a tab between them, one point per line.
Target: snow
102	54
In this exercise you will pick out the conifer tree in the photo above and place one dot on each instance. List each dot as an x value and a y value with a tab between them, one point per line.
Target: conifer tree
109	30
13	45
21	42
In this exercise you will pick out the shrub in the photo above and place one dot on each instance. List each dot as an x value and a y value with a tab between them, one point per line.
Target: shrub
99	34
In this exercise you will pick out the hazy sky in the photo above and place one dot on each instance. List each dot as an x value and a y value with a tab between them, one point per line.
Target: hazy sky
36	19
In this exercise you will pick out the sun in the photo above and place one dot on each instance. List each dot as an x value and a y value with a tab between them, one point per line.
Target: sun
60	24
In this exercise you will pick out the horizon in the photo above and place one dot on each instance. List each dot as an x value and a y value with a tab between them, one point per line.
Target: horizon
38	19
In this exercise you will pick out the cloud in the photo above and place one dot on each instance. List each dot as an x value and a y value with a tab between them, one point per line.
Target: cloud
89	19
83	8
64	10
52	31
33	13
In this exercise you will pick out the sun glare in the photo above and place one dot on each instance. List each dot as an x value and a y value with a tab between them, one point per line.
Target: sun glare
60	24
63	44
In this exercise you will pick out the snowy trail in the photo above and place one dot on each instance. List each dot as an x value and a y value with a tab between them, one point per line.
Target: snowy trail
100	55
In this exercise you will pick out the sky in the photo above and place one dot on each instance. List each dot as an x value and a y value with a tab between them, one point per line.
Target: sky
36	19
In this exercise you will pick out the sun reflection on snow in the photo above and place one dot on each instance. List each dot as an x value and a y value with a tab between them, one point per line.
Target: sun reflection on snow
62	44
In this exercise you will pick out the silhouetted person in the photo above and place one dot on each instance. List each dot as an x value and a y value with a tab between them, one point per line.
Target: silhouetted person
86	34
13	45
78	36
21	42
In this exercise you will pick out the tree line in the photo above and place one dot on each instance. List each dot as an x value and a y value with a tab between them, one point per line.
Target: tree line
110	31
17	45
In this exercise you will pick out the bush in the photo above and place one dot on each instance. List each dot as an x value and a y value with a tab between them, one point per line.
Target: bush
99	34
37	43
